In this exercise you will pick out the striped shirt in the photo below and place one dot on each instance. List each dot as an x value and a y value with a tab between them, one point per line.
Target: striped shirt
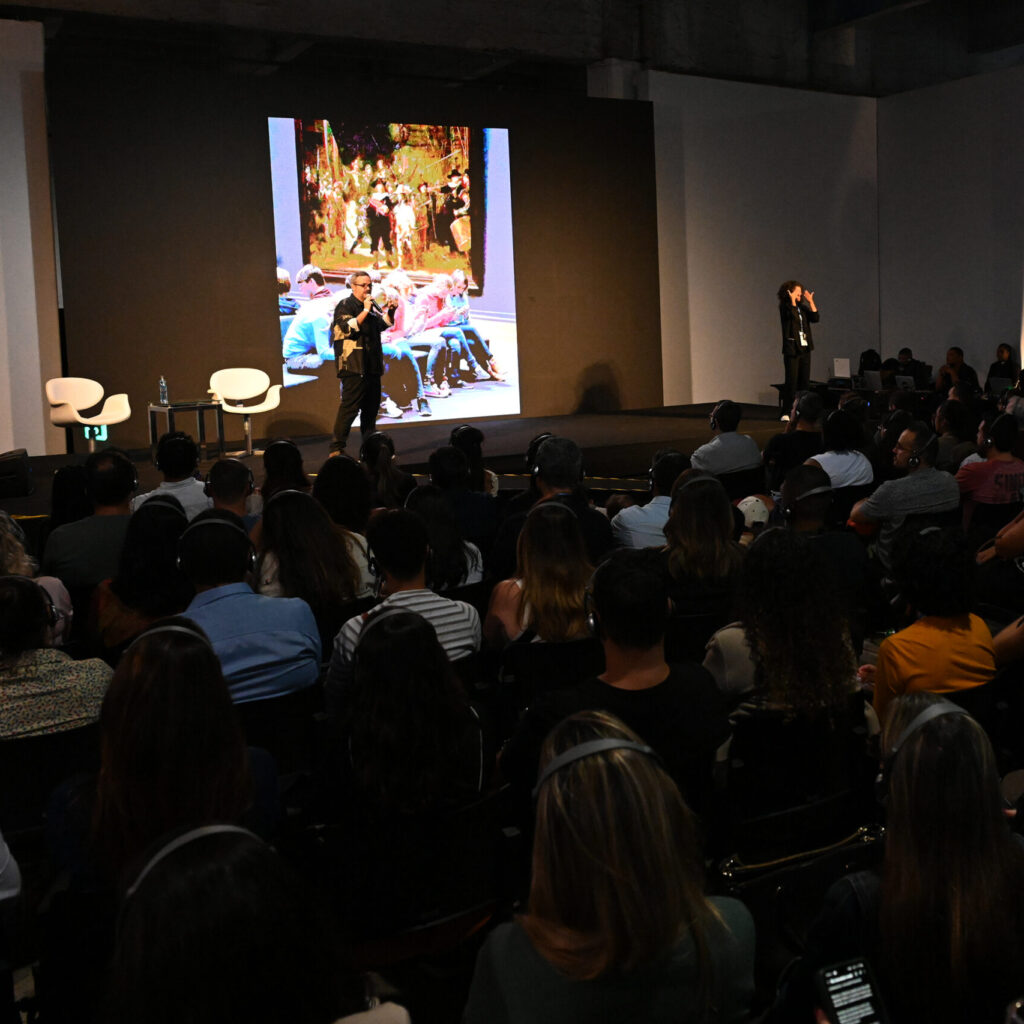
456	623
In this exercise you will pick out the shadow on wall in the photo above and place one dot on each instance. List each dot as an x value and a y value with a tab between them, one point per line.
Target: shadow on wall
598	389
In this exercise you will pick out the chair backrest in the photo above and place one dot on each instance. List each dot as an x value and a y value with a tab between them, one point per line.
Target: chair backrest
533	668
239	383
284	726
78	392
32	766
743	482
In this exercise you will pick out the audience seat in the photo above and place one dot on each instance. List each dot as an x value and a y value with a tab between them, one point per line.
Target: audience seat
285	727
743	482
528	669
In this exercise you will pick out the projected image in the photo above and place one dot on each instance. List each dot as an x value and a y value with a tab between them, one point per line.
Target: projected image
425	210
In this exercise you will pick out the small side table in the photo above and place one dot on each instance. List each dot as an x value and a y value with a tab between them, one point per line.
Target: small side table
200	409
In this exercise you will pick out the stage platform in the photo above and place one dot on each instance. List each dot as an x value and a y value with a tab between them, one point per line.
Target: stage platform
617	447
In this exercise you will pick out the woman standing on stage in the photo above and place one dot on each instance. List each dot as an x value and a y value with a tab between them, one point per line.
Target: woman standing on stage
797	311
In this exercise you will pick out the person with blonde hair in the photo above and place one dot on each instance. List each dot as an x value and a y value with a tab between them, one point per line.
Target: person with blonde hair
617	927
545	598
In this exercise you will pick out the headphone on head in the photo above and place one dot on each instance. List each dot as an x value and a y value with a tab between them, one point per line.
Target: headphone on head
52	615
789	511
280	441
918	722
170	628
914	459
588	749
194	525
183	840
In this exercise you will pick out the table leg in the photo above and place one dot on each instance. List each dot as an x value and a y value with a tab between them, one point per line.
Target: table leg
220	429
152	434
201	430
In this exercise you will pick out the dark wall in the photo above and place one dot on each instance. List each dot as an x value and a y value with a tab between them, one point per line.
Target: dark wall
166	236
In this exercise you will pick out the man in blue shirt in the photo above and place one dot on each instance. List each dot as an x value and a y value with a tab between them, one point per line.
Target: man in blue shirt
267	645
643	526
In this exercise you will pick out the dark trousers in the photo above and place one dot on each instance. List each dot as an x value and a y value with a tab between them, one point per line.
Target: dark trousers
360	396
798	376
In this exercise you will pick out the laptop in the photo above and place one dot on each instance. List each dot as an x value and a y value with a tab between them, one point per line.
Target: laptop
840	367
904	383
873	380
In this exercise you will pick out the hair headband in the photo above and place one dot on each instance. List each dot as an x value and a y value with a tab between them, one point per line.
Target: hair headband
588	749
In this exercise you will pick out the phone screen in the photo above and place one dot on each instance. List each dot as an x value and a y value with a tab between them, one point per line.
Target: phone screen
849	994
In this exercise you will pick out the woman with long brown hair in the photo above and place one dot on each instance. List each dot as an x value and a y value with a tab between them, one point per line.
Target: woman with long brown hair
545	599
617	927
702	555
943	922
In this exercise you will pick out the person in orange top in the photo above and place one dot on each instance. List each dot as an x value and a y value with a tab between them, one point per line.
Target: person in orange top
947	648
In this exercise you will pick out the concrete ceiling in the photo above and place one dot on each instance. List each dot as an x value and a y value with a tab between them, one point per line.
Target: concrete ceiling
868	47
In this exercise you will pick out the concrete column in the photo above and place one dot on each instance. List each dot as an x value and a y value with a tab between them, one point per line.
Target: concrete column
29	333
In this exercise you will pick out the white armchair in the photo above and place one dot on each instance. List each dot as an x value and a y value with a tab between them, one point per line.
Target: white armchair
69	395
240	384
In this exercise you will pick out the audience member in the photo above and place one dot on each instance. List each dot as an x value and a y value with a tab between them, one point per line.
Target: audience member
941	922
343	489
217	906
283	469
845	465
677	709
702	558
914	368
148	585
643	526
411	741
1003	369
452	561
470	440
302	554
800	442
545	599
398	540
768	656
999	480
41	690
616	919
15	561
177	457
955	371
475	512
727	451
806	500
230	486
956	441
172	751
924	491
83	552
389	485
946	649
558	474
266	646
526	499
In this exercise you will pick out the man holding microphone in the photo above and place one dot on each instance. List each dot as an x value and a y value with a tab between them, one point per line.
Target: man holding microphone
356	330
